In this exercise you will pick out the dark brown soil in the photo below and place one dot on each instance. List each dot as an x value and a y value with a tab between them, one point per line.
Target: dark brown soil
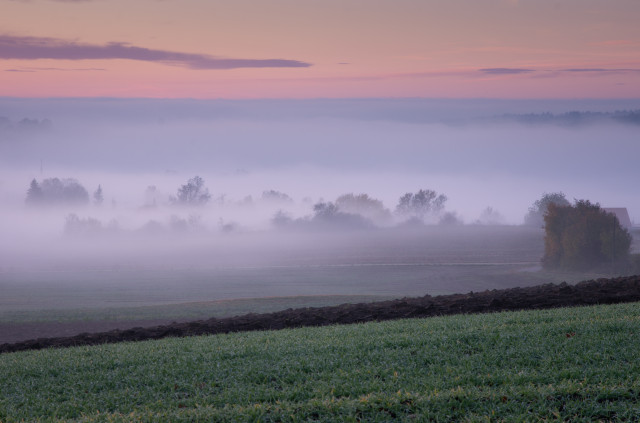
601	291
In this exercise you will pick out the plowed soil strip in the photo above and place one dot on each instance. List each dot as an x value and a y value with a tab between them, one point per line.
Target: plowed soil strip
600	291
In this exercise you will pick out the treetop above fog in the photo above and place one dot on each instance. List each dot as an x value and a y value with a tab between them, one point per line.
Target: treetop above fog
193	193
55	191
421	203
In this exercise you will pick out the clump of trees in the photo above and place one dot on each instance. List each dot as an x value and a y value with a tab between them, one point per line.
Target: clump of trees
55	191
77	226
193	193
421	204
583	236
276	197
327	213
363	205
535	216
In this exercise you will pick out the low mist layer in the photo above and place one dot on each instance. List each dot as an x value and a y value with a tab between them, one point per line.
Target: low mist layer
184	186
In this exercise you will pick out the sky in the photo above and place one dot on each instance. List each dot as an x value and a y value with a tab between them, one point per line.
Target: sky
240	49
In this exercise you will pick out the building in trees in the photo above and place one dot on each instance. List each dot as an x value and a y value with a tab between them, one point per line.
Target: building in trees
583	236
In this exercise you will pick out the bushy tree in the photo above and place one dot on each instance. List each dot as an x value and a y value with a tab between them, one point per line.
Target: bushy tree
535	216
421	203
329	214
583	236
450	219
193	193
363	205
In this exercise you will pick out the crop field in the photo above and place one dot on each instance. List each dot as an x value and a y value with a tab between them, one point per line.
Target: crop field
572	364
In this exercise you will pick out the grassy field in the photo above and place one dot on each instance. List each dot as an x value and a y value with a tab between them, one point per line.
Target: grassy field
579	364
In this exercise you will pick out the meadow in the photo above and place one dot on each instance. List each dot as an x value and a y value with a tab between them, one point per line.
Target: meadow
570	364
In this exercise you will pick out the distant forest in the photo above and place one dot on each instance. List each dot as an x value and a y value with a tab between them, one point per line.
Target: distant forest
26	123
572	118
576	118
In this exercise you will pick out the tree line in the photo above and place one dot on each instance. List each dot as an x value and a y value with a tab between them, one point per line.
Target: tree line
581	235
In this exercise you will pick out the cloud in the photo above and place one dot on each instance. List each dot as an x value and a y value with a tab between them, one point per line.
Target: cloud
505	71
614	43
601	70
19	70
35	69
33	48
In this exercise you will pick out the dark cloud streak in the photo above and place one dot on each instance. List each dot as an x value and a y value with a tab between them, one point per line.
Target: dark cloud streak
33	48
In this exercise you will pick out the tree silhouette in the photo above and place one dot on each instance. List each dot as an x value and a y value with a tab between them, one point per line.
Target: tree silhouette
193	193
34	194
55	191
421	203
98	198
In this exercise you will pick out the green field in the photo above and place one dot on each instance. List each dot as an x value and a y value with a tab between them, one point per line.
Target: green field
574	364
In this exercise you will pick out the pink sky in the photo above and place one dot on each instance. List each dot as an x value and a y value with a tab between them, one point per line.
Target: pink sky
328	48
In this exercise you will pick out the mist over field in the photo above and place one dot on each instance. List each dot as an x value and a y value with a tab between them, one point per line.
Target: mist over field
265	165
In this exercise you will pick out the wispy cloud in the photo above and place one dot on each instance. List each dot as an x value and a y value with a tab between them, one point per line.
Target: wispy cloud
33	48
505	71
35	69
615	43
19	70
601	70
